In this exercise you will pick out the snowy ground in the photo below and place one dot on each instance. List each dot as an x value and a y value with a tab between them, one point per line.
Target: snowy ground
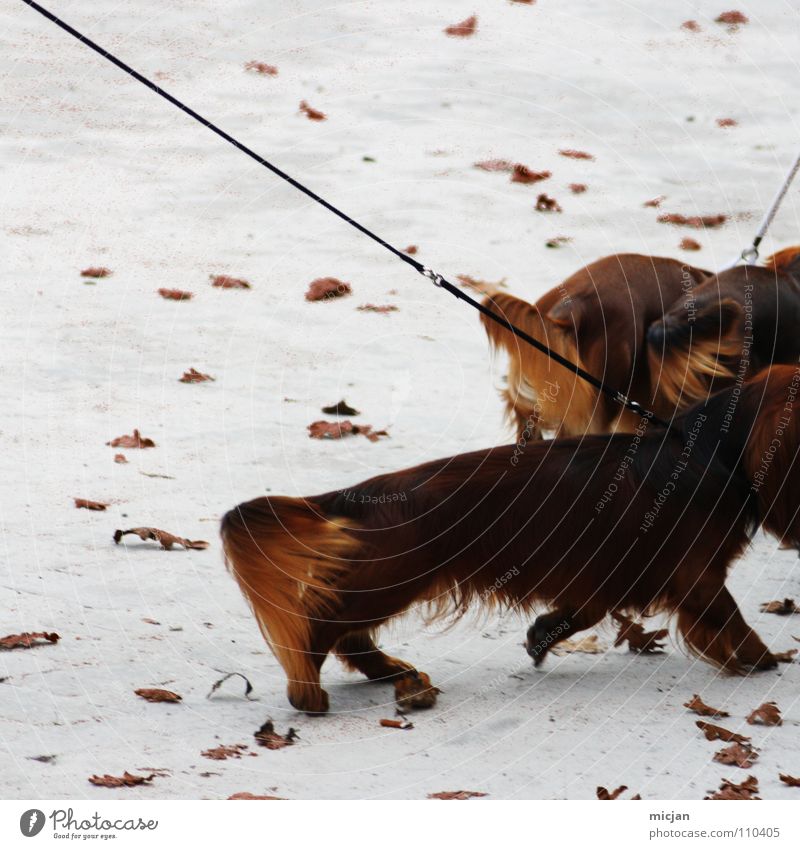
98	171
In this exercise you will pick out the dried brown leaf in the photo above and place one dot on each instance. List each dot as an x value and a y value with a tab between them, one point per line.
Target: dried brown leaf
270	739
544	203
410	250
125	780
175	294
737	755
27	640
692	26
727	122
338	430
785	656
484	287
89	505
576	154
457	794
311	113
135	440
222	753
120	458
194	376
577	188
382	308
166	539
716	732
96	272
325	288
789	780
696	221
246	795
224	281
639	640
741	792
688	244
464	29
697	705
495	165
523	174
157	695
655	202
733	18
767	714
261	68
606	795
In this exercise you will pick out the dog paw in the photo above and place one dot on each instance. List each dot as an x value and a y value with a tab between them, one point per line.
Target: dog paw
415	690
311	701
762	664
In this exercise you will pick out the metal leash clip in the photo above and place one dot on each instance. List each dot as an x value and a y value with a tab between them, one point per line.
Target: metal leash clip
435	278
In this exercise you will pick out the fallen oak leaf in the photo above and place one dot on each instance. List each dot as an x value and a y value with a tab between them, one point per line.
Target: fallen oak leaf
576	154
781	608
222	753
606	795
175	294
135	440
194	376
727	122
767	714
737	755
120	458
338	430
96	272
688	244
484	287
167	540
403	724
261	68
523	174
544	203
692	26
28	640
717	732
457	794
743	791
310	113
410	250
246	795
157	695
466	28
384	308
577	188
789	780
224	281
655	202
270	739
733	18
125	780
697	705
326	288
89	505
639	640
696	221
340	408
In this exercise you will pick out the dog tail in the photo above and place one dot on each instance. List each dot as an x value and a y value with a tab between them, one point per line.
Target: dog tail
286	554
685	357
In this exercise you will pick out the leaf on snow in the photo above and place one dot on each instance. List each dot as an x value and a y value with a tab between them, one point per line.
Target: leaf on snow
340	408
767	714
27	640
495	165
310	113
544	203
125	780
325	288
523	174
781	608
606	795
464	29
261	68
639	640
457	794
338	430
222	753
785	656
157	695
194	376
576	154
134	440
166	539
90	505
248	687
96	272
270	739
696	221
175	294
697	705
743	791
246	795
224	281
737	755
789	780
717	732
383	308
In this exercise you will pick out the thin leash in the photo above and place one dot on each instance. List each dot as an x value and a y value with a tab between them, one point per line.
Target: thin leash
435	278
750	254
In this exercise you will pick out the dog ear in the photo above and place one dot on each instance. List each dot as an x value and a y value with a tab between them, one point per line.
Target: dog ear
567	314
786	261
720	319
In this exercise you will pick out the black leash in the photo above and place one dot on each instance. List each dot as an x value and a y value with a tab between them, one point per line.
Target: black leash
435	278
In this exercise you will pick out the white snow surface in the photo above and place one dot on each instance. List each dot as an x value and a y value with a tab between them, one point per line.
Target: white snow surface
99	171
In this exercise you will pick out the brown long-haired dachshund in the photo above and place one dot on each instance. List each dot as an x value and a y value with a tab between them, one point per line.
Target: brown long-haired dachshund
583	527
730	327
597	318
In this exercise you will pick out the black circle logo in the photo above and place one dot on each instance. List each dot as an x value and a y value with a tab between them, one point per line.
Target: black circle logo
31	822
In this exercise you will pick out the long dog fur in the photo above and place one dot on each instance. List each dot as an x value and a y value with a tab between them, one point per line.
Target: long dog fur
597	318
728	328
582	527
